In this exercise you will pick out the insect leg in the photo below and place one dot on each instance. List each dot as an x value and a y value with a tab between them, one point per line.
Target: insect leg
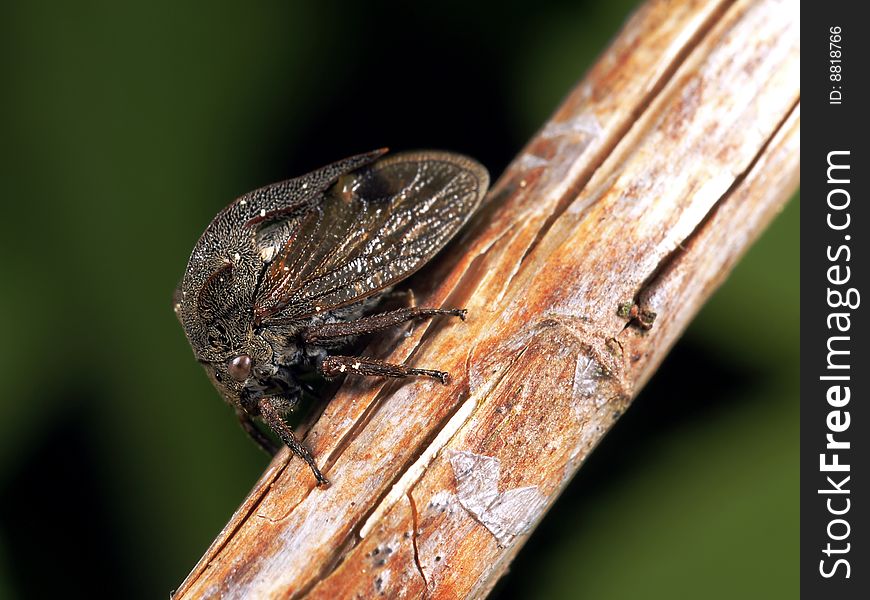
255	434
282	430
374	323
361	365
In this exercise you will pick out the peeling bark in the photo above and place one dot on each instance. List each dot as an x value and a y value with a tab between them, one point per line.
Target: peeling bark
643	189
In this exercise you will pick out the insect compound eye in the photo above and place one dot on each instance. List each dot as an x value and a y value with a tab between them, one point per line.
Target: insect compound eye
240	367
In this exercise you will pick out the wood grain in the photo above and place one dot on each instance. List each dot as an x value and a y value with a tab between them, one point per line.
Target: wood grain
646	186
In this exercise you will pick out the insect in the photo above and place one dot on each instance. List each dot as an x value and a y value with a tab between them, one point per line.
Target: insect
288	275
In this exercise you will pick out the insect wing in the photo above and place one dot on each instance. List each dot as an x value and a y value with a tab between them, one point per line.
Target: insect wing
236	236
374	227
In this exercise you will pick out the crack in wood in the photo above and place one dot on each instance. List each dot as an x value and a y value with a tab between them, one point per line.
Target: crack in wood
573	191
414	538
653	280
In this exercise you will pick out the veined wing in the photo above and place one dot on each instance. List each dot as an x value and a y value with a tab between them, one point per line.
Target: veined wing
374	227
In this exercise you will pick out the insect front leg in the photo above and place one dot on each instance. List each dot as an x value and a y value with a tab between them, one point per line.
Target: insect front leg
373	323
332	366
255	434
273	419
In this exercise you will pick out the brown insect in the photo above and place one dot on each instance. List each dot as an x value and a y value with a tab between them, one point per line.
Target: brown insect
287	276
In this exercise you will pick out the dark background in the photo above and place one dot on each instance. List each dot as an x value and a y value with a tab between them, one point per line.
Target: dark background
127	126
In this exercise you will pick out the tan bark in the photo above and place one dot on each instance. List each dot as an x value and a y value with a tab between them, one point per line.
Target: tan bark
645	187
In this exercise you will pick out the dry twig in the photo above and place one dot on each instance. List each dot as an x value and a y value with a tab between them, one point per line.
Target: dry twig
643	190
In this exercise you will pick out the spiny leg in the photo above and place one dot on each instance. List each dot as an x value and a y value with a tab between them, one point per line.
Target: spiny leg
374	323
407	299
283	431
333	366
255	434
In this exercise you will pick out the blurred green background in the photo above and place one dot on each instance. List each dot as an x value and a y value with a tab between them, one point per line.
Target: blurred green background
126	126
